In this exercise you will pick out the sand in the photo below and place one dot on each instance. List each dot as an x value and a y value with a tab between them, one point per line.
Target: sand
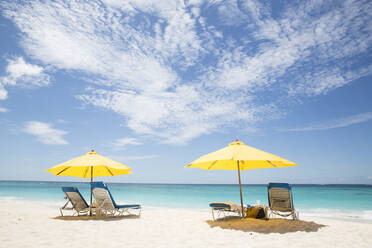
33	224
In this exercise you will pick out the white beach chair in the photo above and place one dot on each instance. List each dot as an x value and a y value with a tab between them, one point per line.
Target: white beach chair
105	203
281	200
78	204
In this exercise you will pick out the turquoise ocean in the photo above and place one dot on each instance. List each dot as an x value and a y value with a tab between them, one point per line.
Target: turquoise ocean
339	201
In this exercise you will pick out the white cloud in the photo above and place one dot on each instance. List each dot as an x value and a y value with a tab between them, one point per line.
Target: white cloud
3	92
124	159
22	74
291	42
344	122
176	73
45	133
320	83
3	110
176	116
120	144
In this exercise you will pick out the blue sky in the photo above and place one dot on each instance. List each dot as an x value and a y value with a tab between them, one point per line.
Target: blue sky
156	85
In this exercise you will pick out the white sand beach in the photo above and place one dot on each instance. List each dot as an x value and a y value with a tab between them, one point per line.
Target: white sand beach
33	224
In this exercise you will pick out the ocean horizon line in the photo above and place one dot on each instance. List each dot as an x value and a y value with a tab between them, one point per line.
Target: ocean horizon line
206	184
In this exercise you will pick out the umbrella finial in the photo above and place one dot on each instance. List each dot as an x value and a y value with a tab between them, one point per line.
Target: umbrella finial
236	142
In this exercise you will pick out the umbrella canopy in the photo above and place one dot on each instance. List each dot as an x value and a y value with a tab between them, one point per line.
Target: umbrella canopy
238	156
249	157
90	165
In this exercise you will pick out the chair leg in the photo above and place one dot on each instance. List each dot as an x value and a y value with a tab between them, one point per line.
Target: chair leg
63	207
296	215
213	214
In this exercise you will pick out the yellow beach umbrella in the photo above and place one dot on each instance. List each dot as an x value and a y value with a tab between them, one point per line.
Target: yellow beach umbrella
90	165
238	156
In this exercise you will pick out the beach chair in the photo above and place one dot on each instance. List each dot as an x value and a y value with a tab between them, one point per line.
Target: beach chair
281	200
106	204
78	204
225	208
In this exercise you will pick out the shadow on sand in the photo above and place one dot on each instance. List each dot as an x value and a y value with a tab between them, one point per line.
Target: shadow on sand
105	218
265	226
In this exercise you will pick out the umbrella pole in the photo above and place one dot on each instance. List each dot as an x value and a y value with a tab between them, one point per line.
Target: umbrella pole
241	195
91	193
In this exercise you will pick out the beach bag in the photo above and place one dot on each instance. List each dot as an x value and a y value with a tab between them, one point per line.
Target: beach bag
252	212
261	213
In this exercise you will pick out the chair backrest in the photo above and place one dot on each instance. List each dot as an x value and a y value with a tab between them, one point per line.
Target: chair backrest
280	197
103	196
76	199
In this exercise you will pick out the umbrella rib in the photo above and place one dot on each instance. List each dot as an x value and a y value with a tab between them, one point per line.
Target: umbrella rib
109	171
86	171
271	163
63	170
215	161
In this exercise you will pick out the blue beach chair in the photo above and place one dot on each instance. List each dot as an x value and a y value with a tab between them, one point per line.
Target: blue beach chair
226	208
281	200
78	203
106	204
